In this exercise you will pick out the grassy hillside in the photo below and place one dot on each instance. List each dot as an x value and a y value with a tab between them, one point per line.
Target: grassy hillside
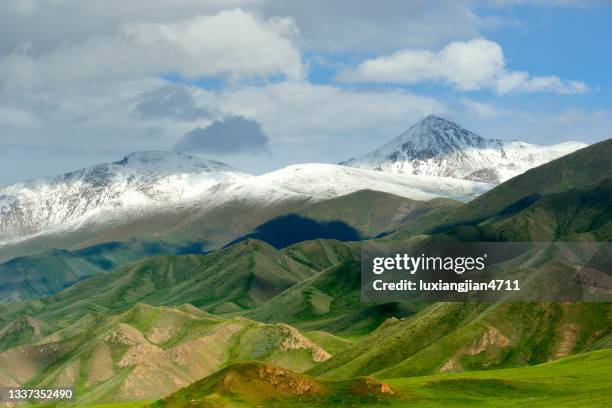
469	336
256	384
149	352
236	278
581	171
356	216
578	214
228	281
373	213
23	330
583	380
580	381
331	301
454	337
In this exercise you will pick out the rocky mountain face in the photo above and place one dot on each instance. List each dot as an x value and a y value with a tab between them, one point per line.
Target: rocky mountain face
438	147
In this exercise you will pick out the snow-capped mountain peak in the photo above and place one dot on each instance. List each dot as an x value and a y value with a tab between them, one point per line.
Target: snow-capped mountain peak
140	182
435	146
430	137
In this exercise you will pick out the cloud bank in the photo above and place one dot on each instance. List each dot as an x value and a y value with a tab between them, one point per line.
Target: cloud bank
232	44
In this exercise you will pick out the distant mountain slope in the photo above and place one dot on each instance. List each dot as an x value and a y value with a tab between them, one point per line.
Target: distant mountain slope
43	274
360	215
48	272
573	183
438	147
352	217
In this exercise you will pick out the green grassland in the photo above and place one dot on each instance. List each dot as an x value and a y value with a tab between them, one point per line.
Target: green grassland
582	380
579	381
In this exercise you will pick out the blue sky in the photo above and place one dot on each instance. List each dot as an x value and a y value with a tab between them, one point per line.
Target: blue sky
572	42
261	84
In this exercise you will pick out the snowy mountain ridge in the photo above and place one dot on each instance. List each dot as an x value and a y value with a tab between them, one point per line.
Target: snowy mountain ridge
144	183
433	158
438	147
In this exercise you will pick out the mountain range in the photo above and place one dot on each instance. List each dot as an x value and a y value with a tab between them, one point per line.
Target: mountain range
297	310
152	203
255	300
164	193
155	192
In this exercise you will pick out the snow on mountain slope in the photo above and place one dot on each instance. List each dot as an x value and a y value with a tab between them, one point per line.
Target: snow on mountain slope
140	181
148	182
322	181
438	147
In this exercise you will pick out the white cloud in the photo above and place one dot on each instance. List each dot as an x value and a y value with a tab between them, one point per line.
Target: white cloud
467	66
516	81
233	44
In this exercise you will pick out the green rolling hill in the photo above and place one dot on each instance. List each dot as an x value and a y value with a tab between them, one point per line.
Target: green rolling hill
229	280
256	384
331	301
149	352
46	273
